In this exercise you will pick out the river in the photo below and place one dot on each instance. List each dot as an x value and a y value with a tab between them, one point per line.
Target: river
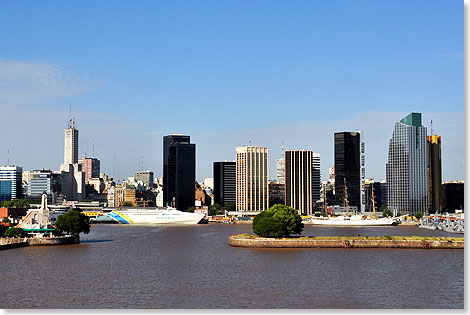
192	267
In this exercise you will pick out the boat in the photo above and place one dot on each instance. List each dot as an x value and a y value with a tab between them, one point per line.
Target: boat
356	219
155	216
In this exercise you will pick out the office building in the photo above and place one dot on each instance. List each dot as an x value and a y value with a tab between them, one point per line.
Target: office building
299	181
277	194
224	182
374	195
406	169
90	167
280	171
73	178
252	190
453	196
316	177
146	177
10	182
434	174
43	181
349	168
179	171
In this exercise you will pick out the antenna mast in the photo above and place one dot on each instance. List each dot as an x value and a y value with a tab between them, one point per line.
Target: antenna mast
93	147
8	157
346	197
431	127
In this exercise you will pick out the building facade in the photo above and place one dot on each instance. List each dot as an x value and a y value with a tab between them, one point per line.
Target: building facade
434	174
406	169
453	197
179	171
299	180
224	185
280	171
146	177
349	168
73	178
277	194
10	182
316	177
90	167
252	190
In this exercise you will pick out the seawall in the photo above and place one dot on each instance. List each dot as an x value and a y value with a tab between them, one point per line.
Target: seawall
8	243
343	242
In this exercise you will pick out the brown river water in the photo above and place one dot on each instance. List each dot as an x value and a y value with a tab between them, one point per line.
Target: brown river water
192	267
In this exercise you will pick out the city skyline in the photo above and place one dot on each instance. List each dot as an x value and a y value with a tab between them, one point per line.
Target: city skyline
235	75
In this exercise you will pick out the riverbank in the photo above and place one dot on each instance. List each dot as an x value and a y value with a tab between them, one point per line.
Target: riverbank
9	243
244	240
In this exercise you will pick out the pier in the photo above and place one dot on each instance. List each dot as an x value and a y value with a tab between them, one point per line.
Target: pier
244	240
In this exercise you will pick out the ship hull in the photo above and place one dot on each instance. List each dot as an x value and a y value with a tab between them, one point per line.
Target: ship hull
155	216
371	222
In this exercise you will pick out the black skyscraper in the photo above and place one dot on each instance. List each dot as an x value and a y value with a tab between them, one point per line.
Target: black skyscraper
224	182
179	171
348	165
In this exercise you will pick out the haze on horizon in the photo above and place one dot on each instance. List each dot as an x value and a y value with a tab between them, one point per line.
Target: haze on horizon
227	73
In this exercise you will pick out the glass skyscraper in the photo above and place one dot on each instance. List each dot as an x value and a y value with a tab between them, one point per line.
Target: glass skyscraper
179	171
10	182
224	182
406	170
350	168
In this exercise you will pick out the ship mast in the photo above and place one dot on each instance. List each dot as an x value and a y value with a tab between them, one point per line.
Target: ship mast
346	197
373	199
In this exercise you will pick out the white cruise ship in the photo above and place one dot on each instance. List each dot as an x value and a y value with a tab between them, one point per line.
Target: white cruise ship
155	216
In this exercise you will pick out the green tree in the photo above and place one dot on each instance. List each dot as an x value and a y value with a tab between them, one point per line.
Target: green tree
230	206
6	220
288	222
73	222
15	203
127	204
214	209
191	209
387	213
14	232
268	227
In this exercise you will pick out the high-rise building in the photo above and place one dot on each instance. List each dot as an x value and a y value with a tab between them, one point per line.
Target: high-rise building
73	179
406	169
374	195
224	182
349	168
280	171
299	166
277	194
10	182
145	177
316	177
179	171
453	196
71	143
434	174
90	166
252	190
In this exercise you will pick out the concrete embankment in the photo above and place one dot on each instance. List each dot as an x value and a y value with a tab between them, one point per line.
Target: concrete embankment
344	242
8	243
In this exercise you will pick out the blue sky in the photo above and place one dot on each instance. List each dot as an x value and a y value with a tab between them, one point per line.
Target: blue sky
227	72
